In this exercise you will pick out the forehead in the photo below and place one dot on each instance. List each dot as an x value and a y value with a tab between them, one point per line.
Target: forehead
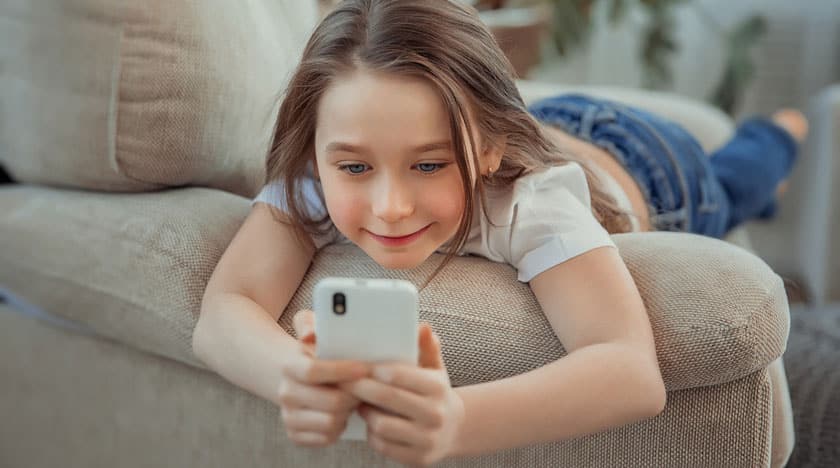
381	107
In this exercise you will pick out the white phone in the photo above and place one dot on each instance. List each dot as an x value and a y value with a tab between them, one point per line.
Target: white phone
374	320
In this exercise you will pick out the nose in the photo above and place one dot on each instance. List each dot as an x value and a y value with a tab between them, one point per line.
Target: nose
392	200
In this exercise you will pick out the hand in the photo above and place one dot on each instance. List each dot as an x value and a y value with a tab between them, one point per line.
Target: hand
413	415
314	410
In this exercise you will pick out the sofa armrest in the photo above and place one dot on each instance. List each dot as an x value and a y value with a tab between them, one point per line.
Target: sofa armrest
718	312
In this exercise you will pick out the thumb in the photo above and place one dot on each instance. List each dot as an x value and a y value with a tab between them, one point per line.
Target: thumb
304	324
430	352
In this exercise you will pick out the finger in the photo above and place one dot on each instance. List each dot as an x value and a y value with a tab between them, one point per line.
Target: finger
394	428
402	453
304	323
323	398
309	439
306	420
320	371
396	400
427	382
309	349
430	352
308	339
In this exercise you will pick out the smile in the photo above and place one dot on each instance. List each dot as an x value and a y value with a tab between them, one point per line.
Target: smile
391	241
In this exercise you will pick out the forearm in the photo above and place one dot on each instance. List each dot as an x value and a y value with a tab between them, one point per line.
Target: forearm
592	389
236	338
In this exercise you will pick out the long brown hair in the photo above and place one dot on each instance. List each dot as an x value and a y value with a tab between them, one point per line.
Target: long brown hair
444	42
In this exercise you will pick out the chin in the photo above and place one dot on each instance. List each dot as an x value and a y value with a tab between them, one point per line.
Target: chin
398	261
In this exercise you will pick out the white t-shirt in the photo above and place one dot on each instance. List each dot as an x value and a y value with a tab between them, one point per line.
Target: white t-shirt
542	220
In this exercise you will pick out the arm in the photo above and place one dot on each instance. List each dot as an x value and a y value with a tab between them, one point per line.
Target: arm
237	334
609	378
252	284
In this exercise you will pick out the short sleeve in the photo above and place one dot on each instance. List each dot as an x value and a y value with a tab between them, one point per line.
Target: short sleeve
552	220
274	193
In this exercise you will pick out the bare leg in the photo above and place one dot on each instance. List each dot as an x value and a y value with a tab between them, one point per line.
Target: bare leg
795	123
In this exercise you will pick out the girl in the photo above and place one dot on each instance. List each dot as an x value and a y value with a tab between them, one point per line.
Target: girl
402	131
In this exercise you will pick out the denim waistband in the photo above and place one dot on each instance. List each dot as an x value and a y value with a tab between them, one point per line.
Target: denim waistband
664	160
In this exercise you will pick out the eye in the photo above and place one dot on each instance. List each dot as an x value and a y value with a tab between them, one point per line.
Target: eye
354	169
430	168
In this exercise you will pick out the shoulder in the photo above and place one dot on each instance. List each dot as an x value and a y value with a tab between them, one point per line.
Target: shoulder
544	219
568	177
274	193
537	185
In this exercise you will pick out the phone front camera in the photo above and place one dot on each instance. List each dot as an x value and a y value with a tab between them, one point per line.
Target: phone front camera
339	304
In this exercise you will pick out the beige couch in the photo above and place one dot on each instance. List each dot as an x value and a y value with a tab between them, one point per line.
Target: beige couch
137	132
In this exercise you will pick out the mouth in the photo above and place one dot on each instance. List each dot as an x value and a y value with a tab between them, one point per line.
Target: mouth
395	241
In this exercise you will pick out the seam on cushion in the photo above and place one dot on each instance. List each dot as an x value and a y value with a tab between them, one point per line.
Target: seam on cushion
751	332
114	115
113	107
113	233
726	376
26	308
484	320
37	313
89	286
769	299
67	280
189	359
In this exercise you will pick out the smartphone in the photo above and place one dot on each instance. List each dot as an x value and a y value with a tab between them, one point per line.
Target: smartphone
374	320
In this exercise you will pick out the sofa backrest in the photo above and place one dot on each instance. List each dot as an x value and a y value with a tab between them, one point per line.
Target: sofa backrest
144	95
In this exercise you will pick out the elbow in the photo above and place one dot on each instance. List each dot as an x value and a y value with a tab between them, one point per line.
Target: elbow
649	395
198	341
200	335
658	400
656	393
645	386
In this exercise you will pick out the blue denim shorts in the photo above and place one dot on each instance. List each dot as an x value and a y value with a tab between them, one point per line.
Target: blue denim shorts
674	173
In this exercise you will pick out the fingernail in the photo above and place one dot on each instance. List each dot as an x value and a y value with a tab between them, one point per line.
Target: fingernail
382	374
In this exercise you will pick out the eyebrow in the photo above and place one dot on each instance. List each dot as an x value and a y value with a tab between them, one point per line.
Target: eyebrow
434	146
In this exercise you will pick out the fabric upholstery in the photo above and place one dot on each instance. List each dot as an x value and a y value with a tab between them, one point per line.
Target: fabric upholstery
133	268
135	96
100	404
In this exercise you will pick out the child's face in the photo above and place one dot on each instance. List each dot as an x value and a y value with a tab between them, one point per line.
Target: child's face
396	193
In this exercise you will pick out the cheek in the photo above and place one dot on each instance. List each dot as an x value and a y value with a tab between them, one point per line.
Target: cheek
447	203
346	209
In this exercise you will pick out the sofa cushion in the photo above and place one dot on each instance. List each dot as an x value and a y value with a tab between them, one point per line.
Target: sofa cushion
134	96
133	268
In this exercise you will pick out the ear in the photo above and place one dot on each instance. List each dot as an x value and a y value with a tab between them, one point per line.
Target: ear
491	158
